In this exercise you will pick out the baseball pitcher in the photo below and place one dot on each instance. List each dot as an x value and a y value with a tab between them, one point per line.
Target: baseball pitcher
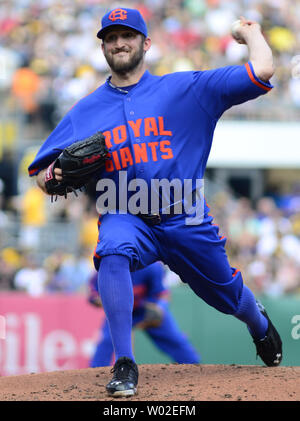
157	128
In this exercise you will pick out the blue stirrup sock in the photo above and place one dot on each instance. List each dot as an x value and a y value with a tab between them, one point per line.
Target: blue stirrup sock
249	313
116	292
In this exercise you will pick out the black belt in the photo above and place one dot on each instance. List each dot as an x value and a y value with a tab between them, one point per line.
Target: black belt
150	218
156	218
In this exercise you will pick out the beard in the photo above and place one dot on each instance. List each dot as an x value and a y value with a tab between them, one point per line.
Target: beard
122	67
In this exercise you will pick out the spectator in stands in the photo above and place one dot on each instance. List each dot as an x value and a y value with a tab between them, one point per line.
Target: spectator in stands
25	87
68	273
33	213
10	263
31	278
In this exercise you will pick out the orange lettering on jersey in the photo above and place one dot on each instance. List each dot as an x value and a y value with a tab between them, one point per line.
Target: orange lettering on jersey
126	157
136	127
164	149
153	146
150	126
161	126
119	134
107	135
116	160
140	152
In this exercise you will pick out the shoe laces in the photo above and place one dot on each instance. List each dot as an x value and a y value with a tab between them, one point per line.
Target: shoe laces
122	369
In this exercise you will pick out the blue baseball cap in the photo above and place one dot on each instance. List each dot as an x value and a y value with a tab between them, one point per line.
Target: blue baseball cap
130	18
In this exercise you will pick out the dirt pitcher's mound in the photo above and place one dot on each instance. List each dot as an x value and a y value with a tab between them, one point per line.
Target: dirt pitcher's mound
169	382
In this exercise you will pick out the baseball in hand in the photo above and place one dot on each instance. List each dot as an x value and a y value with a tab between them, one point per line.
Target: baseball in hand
234	30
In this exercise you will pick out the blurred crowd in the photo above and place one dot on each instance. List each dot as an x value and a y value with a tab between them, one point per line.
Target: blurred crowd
263	241
50	56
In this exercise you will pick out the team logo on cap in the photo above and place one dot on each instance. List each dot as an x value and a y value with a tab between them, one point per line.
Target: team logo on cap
118	14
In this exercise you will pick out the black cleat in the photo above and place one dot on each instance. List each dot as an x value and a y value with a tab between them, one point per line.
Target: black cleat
125	378
270	347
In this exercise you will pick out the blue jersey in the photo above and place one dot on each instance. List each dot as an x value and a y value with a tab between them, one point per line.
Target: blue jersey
161	128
